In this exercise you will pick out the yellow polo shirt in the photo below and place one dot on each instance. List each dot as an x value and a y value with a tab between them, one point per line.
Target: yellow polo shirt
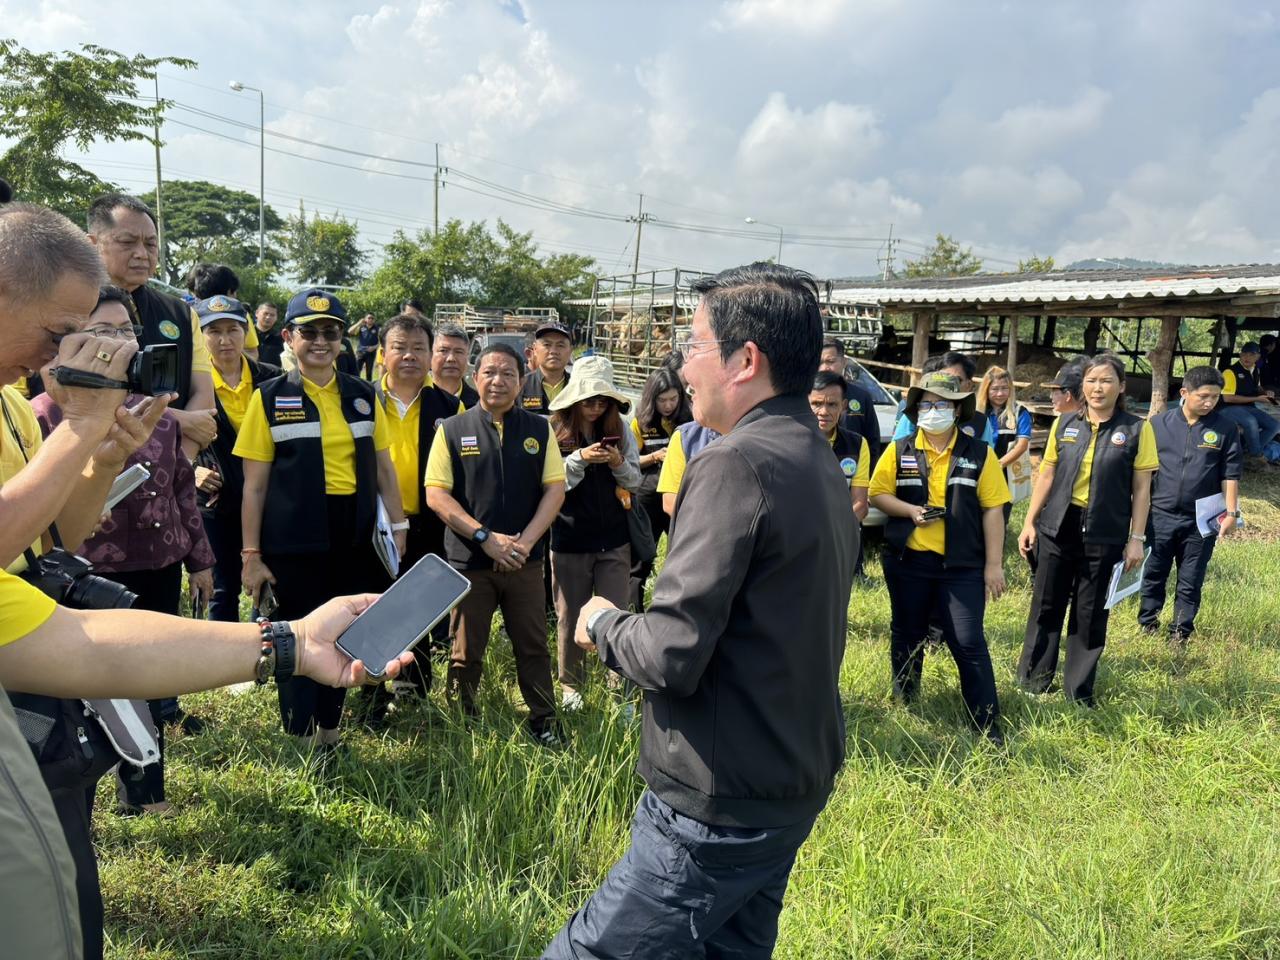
440	465
672	473
1148	457
638	432
554	391
862	475
200	360
254	440
992	489
23	608
234	400
403	434
11	457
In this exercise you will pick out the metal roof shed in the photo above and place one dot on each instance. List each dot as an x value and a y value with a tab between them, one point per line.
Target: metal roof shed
1233	297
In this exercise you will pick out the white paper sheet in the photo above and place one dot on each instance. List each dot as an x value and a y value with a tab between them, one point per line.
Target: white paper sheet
1125	584
384	542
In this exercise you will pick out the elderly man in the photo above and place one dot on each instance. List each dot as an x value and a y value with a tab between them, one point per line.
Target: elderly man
49	277
743	728
123	228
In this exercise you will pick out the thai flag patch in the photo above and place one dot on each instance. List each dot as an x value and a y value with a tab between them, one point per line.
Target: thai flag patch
469	442
288	403
909	462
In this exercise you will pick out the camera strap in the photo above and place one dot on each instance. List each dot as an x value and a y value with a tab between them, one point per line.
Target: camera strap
71	377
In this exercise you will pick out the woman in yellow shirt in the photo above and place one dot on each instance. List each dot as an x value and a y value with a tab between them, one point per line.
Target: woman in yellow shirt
1088	512
944	494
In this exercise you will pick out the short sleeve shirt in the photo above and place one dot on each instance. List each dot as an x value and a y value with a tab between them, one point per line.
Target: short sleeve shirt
23	608
440	464
1148	457
12	459
200	360
672	473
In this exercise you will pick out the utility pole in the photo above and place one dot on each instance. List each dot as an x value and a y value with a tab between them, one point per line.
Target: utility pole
164	252
435	230
888	256
639	220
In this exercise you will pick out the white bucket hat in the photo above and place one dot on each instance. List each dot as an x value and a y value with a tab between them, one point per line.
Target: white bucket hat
592	377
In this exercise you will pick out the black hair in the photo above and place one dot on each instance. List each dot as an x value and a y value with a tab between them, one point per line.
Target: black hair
673	361
952	358
265	303
408	323
1203	376
1104	359
454	331
832	343
506	350
774	307
110	293
1266	340
825	379
210	279
411	302
659	382
102	210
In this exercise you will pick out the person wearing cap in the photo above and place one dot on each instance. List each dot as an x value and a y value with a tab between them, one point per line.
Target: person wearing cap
314	446
962	367
414	408
859	416
551	352
219	473
590	539
1241	391
943	567
1066	389
852	452
1200	455
496	478
449	364
207	280
1088	512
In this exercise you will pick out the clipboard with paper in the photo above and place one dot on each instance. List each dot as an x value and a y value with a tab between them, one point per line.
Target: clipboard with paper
1125	584
384	541
1209	511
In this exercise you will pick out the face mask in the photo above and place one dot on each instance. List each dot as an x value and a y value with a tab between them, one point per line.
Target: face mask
936	421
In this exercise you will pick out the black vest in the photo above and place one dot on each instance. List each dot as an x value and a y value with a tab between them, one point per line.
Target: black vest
1246	380
497	482
1006	435
219	454
434	407
270	347
294	518
847	448
965	544
592	519
468	396
652	439
1106	516
533	398
167	319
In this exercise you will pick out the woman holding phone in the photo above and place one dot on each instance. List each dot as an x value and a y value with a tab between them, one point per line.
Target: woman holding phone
314	450
1088	512
590	539
944	494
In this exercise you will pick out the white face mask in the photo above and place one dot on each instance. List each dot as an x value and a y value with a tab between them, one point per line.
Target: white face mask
936	421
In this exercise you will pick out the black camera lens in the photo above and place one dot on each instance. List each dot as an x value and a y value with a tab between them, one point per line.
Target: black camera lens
154	370
97	593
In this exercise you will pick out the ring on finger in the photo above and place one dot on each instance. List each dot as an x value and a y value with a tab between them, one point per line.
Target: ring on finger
104	356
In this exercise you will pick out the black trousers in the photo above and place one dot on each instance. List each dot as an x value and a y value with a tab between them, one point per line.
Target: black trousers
160	591
922	589
306	580
1070	572
223	531
1175	539
74	806
660	523
366	363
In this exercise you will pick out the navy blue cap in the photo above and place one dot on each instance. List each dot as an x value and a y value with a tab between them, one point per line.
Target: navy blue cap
219	308
553	327
1251	347
315	304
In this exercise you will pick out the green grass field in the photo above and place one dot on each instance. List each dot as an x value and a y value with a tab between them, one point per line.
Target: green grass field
1147	828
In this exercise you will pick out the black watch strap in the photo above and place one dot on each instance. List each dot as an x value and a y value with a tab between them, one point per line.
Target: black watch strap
286	649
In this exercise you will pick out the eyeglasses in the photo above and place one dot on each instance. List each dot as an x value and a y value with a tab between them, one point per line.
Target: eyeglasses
686	347
332	334
113	333
942	406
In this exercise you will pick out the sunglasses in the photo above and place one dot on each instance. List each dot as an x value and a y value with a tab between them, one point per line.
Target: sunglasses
332	334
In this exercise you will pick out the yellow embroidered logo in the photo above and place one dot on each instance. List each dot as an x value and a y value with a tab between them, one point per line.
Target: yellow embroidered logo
220	304
318	304
531	446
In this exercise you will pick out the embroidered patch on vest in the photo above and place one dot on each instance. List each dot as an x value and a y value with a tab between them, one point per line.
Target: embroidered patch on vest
1211	438
533	401
963	463
909	462
362	406
855	406
967	430
849	466
1119	438
468	442
170	329
531	445
290	416
288	403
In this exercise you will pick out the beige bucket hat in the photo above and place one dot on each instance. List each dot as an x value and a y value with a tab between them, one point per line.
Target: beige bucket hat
592	377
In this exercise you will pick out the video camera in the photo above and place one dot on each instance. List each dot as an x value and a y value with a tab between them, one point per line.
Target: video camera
152	371
70	581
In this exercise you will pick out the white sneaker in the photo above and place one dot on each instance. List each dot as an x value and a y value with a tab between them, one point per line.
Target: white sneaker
571	700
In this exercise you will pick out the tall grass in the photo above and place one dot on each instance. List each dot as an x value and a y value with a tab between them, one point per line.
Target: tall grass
1149	827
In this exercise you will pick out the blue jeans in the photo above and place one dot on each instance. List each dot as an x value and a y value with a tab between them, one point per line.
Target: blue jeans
686	889
1258	428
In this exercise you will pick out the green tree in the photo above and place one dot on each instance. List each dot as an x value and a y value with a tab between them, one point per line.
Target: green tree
944	259
208	223
1034	264
50	100
323	250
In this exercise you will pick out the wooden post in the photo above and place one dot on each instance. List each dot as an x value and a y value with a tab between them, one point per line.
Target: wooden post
1013	346
1162	364
920	340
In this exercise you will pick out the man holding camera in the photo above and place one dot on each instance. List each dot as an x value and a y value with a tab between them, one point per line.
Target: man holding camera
49	277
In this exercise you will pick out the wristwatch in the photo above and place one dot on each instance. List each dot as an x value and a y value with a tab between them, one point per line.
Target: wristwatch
1235	513
481	535
402	525
279	651
591	624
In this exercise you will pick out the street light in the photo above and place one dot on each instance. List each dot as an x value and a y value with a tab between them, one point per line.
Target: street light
765	223
239	87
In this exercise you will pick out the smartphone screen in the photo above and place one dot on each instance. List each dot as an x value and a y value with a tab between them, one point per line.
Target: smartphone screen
610	441
402	616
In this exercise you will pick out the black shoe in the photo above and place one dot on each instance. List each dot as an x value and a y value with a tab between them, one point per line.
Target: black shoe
547	734
994	736
191	725
1150	627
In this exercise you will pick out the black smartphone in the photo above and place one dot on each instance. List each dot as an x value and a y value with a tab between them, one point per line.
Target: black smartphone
610	441
267	603
397	620
933	513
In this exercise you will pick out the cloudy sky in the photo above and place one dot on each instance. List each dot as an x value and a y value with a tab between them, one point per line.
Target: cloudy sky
1077	129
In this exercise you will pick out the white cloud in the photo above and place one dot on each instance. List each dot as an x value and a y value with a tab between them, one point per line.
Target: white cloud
808	16
790	142
1033	129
